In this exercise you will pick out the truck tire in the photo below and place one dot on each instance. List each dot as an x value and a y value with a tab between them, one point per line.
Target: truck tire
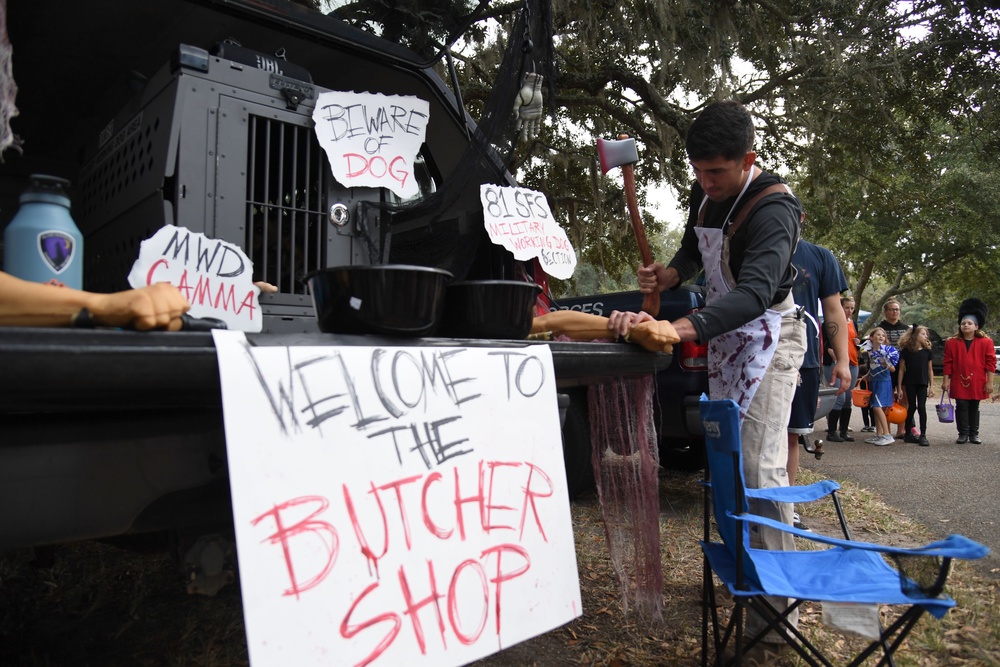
682	455
577	446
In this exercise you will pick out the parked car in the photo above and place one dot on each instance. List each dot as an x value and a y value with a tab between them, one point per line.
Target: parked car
937	352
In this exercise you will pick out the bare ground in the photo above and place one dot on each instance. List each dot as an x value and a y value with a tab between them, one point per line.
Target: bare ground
94	604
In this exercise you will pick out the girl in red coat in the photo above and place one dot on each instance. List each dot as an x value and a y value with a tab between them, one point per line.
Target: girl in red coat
969	364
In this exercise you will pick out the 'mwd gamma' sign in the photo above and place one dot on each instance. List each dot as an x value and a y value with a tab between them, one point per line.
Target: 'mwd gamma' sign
215	277
396	505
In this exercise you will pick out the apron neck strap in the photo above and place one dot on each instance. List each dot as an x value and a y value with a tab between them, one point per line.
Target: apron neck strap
746	185
749	206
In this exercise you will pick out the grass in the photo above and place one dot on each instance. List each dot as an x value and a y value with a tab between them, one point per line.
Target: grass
96	604
968	634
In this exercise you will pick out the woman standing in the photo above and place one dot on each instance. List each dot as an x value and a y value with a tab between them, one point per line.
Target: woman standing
969	364
916	377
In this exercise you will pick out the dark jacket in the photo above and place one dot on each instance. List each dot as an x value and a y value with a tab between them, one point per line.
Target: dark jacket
760	256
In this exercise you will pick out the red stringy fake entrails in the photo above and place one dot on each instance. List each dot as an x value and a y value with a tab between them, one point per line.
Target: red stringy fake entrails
626	466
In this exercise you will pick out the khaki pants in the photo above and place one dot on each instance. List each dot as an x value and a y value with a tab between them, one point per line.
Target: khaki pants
764	437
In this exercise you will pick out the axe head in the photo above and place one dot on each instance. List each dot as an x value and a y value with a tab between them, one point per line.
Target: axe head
616	153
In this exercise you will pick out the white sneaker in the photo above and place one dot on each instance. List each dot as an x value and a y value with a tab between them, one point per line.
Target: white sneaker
887	439
872	440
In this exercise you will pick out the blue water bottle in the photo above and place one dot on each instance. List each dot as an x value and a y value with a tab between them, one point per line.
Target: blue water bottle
42	243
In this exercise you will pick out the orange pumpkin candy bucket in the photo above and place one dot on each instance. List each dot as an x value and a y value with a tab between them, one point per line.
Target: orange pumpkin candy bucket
861	397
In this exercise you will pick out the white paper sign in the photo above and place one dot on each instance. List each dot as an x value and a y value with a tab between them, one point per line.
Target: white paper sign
397	505
519	219
372	139
215	277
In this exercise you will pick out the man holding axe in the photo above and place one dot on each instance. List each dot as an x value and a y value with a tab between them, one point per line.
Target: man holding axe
742	228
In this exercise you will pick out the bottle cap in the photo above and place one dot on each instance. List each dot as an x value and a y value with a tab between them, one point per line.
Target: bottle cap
45	188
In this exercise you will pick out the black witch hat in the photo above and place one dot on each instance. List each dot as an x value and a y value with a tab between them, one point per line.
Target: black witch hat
976	308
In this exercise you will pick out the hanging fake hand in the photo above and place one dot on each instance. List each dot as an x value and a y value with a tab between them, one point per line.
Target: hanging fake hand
528	106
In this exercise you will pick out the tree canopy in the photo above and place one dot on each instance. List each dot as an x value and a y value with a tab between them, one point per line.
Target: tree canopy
883	115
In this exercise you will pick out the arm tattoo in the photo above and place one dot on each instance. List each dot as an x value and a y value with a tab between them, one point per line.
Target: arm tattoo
831	329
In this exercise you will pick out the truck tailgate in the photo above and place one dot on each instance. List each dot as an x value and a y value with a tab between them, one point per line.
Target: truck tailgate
106	432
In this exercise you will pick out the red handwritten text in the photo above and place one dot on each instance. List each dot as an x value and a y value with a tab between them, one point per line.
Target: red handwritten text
491	499
201	293
377	167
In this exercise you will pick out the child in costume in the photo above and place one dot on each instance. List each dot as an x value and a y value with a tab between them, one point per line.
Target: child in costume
969	364
916	379
883	359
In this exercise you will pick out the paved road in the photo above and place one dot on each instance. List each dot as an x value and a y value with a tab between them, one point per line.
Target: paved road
949	488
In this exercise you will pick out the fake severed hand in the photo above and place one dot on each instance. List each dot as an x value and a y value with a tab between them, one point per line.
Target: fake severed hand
528	106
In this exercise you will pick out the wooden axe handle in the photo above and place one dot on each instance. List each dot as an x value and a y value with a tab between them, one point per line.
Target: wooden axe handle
651	301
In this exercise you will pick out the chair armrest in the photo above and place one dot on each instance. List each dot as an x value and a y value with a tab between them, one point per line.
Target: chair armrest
953	546
795	494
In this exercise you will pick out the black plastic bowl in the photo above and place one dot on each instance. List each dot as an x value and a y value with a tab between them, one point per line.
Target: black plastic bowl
489	309
389	299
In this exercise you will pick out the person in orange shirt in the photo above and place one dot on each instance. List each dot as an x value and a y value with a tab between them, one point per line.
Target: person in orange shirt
838	422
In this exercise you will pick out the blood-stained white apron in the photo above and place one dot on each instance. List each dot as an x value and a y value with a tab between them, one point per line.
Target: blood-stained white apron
737	359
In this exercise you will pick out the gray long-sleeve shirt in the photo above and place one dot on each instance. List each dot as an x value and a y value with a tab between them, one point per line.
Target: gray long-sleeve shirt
760	256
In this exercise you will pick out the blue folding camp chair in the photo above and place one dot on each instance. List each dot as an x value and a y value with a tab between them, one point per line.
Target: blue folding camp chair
847	571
